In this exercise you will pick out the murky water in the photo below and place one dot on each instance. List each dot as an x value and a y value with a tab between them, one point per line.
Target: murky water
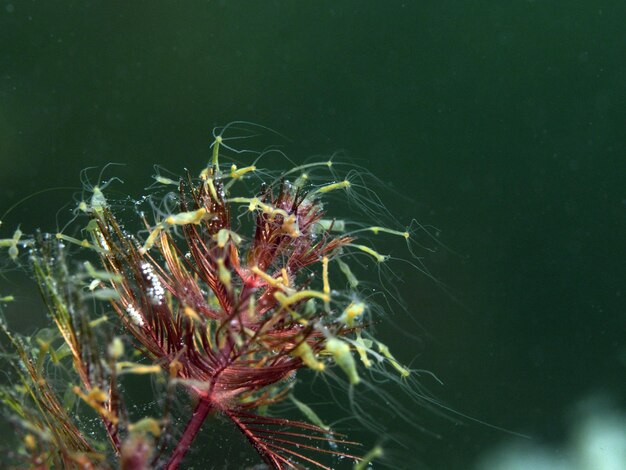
498	123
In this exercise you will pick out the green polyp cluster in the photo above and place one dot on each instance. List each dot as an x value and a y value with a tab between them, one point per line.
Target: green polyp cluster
216	152
191	291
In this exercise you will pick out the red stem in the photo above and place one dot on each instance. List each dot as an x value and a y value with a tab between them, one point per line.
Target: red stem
191	430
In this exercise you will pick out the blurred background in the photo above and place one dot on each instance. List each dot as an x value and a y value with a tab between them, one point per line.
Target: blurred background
502	122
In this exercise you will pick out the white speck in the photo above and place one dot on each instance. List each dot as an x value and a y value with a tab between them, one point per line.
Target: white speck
134	315
156	292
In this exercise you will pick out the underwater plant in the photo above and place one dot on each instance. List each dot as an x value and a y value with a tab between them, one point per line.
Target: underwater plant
224	296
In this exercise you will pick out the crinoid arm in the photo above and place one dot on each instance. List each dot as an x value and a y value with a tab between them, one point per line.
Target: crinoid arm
285	443
231	293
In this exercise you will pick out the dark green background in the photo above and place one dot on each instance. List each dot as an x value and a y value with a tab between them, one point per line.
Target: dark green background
503	121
